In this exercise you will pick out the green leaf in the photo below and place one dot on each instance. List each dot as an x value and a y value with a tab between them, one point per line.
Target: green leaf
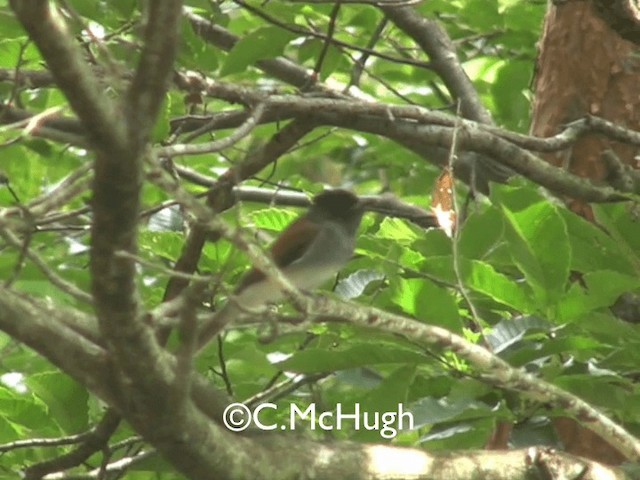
481	234
598	390
367	18
263	43
22	410
195	53
433	242
125	7
541	250
482	14
424	300
603	288
333	60
316	360
593	248
161	244
355	284
274	219
10	29
397	230
482	278
44	289
391	391
515	197
509	90
385	397
431	411
622	223
66	399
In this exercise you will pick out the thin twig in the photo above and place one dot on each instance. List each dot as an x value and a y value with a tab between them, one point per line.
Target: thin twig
210	147
167	271
333	16
49	274
455	240
302	31
359	65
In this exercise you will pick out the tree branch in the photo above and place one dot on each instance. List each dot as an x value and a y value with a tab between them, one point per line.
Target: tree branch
150	82
443	58
209	452
495	370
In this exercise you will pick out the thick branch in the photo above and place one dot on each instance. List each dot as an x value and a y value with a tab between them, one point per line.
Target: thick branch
43	327
405	125
443	58
201	450
495	370
623	16
153	73
116	207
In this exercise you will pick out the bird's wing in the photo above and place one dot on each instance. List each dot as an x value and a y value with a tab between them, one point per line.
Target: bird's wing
292	243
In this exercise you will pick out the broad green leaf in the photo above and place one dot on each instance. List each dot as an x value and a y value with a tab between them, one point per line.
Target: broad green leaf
10	28
397	230
601	391
481	234
44	289
482	278
125	8
285	12
515	197
603	287
314	360
389	396
263	43
465	435
367	18
273	219
391	391
168	219
333	60
9	432
66	399
509	90
355	284
581	347
482	14
308	49
161	244
431	411
424	300
522	17
431	243
541	250
24	411
593	248
623	225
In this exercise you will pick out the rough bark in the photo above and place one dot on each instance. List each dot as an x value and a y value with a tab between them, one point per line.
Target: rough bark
585	68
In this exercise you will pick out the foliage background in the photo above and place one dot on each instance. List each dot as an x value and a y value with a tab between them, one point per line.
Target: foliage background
525	276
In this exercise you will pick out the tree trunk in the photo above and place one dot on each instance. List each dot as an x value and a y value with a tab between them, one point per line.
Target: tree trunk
585	68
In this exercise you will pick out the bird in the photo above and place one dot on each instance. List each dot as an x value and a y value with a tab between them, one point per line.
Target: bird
309	251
